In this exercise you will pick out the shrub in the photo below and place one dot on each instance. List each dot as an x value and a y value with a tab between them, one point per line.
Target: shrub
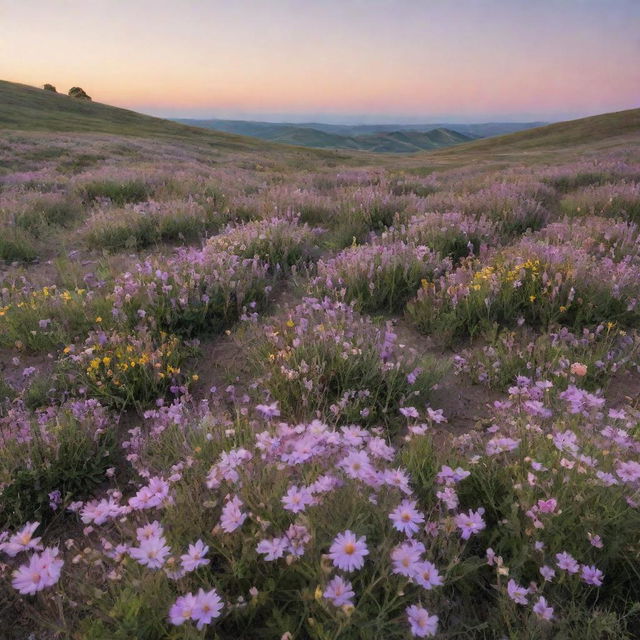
79	94
51	458
147	223
124	370
192	293
279	241
49	87
325	358
590	357
377	277
534	283
119	193
621	200
49	317
451	234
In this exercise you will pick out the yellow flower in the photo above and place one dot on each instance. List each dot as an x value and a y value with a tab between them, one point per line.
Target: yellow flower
532	298
98	319
195	377
290	323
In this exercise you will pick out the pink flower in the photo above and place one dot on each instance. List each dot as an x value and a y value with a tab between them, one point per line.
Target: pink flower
517	593
406	518
591	575
628	471
547	506
427	576
339	591
567	562
182	609
407	557
194	557
232	516
269	411
470	523
272	549
578	369
22	540
547	573
422	624
348	552
208	606
151	553
297	500
542	609
42	571
409	412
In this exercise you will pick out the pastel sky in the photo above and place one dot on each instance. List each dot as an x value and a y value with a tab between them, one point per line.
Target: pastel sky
333	60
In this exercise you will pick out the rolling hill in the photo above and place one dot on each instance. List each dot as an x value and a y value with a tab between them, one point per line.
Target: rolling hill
376	139
28	108
608	128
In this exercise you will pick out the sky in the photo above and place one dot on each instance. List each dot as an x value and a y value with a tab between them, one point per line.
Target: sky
333	60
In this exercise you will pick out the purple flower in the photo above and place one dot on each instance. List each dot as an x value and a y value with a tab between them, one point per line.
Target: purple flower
517	593
422	624
406	518
347	552
339	591
470	523
542	609
591	575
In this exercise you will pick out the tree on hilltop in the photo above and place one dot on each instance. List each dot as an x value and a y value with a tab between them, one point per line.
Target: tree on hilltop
49	87
79	93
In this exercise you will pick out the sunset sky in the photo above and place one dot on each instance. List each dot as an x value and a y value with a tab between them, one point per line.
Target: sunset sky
333	60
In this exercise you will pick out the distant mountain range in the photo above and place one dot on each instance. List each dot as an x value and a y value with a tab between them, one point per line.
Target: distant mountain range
393	138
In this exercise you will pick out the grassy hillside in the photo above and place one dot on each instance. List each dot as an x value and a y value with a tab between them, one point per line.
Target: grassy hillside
27	108
585	131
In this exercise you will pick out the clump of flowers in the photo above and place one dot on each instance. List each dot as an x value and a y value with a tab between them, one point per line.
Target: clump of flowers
592	356
122	369
197	291
378	277
322	356
451	233
533	283
279	241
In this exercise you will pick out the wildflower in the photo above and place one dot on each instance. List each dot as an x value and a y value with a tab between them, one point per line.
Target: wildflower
628	471
42	571
422	624
578	369
547	506
427	576
269	411
182	609
567	562
470	523
542	609
151	553
339	591
547	573
272	549
406	518
296	500
22	540
409	412
517	593
347	552
232	516
591	575
194	557
208	606
407	557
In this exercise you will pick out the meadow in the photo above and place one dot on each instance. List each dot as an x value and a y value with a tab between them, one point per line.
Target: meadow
273	393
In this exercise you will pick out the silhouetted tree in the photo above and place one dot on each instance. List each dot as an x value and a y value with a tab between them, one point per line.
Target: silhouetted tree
50	87
78	92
